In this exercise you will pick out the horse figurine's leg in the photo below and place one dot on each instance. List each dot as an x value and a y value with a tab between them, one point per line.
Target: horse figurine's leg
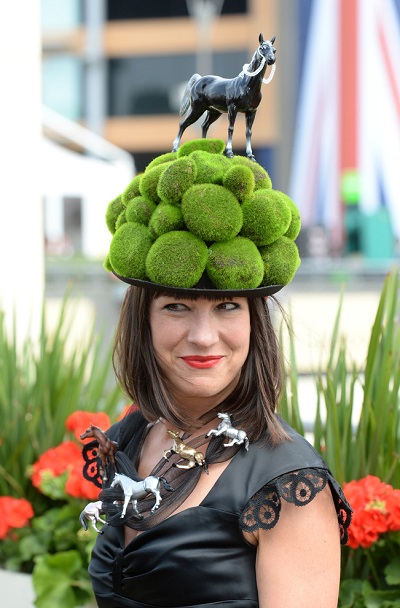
157	495
232	113
135	508
168	453
126	502
212	116
250	116
195	112
190	464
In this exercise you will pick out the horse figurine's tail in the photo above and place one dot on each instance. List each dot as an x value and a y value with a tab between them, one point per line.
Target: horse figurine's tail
166	485
185	103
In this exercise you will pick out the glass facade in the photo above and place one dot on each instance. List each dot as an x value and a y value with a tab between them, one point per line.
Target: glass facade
156	9
62	85
61	15
154	85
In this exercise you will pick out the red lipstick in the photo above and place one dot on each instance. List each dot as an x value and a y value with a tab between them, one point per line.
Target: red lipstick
202	362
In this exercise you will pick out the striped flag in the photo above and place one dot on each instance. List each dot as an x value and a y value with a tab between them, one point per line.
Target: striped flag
348	115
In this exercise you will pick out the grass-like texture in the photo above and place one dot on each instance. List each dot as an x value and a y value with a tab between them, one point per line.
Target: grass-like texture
177	259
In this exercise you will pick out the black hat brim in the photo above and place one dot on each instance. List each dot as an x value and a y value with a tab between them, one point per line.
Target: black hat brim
203	289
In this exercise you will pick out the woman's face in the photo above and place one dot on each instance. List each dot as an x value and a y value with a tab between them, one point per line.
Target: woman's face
201	346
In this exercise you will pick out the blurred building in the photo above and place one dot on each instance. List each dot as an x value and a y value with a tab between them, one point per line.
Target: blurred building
121	67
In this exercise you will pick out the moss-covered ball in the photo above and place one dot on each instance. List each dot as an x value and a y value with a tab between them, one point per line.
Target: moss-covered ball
177	259
140	210
163	158
166	218
128	250
211	212
239	179
235	264
215	146
261	178
115	207
211	168
281	260
132	189
295	223
176	179
266	217
121	220
149	182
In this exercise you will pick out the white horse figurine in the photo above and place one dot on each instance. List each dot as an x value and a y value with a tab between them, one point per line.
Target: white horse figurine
134	490
225	428
92	513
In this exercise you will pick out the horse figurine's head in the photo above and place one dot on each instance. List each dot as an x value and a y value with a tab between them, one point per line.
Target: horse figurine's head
267	50
173	434
224	417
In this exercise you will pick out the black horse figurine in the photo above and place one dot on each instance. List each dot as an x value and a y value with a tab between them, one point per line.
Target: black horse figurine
232	95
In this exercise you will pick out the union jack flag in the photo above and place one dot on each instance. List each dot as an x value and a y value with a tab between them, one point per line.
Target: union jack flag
348	114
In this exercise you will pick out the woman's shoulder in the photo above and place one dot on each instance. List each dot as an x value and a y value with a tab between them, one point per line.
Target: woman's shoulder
268	461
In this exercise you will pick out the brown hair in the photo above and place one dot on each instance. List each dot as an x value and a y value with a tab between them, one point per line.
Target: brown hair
254	400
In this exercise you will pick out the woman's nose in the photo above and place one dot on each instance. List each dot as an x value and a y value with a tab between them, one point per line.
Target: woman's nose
203	331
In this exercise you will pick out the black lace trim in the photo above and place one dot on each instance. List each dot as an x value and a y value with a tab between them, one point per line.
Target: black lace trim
92	470
299	488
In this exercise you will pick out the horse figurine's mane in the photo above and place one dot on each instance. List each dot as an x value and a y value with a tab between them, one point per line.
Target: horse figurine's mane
216	95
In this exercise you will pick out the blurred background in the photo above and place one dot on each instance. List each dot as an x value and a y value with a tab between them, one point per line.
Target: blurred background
92	94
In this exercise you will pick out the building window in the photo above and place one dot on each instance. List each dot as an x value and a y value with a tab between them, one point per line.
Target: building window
154	85
157	9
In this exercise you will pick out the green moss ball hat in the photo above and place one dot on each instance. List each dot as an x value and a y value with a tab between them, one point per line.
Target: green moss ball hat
198	223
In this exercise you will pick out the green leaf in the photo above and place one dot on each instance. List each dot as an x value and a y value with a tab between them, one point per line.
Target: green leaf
392	572
383	599
57	580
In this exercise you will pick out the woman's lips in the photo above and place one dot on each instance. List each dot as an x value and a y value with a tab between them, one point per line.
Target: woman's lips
202	362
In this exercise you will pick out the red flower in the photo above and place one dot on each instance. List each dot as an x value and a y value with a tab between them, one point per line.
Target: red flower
56	460
15	513
376	507
77	486
80	420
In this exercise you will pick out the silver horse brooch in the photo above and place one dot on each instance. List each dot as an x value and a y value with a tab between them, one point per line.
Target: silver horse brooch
225	428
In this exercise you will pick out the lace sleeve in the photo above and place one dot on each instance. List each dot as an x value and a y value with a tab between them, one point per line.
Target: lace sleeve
299	488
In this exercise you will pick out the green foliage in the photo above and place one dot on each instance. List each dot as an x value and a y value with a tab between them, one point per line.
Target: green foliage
41	384
359	439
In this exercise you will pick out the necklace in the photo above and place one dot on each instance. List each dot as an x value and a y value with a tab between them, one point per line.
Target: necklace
182	480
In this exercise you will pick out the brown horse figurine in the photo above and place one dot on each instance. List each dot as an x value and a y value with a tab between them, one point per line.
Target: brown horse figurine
217	96
107	447
194	458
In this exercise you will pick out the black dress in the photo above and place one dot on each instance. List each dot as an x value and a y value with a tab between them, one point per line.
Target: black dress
198	557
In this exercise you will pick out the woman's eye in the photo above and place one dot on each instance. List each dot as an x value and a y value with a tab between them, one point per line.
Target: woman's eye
228	306
175	307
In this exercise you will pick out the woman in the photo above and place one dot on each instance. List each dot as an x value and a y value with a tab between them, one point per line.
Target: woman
247	513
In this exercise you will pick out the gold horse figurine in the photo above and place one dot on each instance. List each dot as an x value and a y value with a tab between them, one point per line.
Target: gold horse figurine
194	458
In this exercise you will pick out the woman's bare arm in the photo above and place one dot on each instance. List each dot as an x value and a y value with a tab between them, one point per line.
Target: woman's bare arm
298	561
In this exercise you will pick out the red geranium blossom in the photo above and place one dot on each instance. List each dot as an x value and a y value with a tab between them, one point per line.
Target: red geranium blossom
56	461
77	486
65	457
80	420
376	510
15	513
